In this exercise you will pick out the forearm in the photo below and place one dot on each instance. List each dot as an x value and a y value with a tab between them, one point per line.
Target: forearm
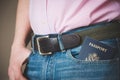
19	52
22	29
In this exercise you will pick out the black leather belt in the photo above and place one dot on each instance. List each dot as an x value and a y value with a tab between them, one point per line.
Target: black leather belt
47	44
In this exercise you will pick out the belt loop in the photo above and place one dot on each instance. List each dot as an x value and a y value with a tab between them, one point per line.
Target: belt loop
60	42
33	43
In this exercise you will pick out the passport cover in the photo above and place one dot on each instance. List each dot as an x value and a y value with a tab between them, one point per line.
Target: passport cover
93	50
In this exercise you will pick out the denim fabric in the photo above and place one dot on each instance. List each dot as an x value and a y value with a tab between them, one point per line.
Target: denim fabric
65	65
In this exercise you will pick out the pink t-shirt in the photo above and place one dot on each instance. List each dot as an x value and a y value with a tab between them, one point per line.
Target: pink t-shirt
57	16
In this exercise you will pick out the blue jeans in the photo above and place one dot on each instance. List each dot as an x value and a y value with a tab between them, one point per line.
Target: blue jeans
65	65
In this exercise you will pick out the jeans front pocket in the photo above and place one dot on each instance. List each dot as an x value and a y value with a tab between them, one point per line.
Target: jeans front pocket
89	70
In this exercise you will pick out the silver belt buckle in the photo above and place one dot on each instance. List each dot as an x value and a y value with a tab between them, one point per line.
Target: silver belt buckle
39	48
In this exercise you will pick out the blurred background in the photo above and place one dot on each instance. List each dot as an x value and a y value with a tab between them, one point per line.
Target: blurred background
7	25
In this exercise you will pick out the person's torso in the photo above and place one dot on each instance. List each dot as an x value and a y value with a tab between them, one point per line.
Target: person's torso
57	16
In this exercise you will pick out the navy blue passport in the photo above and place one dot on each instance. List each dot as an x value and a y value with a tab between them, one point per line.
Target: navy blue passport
93	50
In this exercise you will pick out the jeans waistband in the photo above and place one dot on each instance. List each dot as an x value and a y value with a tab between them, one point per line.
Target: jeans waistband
87	31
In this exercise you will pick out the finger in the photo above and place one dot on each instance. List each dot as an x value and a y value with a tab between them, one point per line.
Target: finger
23	78
20	77
11	75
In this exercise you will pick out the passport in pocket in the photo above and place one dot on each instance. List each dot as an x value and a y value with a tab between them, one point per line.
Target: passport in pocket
93	50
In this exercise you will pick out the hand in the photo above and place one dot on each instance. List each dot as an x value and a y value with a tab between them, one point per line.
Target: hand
17	58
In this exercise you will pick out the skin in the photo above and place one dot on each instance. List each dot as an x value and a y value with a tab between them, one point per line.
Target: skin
19	51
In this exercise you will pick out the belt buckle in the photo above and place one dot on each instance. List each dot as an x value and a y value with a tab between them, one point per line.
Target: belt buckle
38	45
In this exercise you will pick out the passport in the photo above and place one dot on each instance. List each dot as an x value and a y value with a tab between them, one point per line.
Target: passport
93	50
